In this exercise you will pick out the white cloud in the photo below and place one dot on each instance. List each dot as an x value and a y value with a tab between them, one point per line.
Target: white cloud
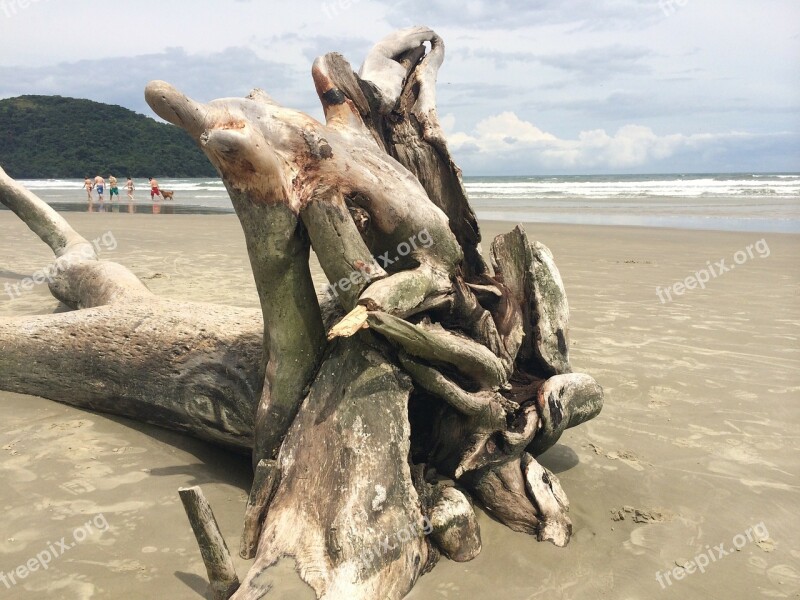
504	142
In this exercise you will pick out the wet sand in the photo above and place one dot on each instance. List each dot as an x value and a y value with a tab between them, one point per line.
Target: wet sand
699	439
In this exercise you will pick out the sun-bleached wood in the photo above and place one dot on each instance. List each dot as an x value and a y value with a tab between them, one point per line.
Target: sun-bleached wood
421	382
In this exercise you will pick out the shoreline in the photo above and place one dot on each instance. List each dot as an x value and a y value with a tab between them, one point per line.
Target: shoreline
545	217
698	437
757	202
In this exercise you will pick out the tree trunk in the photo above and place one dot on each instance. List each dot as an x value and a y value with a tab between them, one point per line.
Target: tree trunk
439	382
186	366
346	509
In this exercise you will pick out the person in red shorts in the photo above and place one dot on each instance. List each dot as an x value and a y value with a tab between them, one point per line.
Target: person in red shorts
154	191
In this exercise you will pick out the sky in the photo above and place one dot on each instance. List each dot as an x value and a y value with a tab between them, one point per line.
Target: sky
527	87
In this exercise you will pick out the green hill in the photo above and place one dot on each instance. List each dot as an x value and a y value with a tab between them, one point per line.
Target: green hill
44	137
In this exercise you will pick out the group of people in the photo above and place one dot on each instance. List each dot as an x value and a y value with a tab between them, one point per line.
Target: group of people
98	185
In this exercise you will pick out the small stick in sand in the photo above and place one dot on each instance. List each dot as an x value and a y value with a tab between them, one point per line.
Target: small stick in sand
223	581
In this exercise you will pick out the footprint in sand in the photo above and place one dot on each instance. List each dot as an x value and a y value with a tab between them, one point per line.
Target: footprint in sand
661	395
628	458
744	395
785	578
767	544
66	586
445	589
625	456
641	515
690	442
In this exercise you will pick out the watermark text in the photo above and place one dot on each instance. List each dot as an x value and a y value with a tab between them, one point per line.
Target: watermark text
55	550
368	272
702	561
670	7
332	9
10	8
48	274
712	271
391	542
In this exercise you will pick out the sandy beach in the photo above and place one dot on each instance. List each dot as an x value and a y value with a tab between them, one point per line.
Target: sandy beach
697	451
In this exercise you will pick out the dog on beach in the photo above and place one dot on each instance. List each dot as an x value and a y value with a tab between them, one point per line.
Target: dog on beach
167	195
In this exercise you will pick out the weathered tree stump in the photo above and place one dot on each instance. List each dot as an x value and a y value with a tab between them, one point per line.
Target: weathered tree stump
377	414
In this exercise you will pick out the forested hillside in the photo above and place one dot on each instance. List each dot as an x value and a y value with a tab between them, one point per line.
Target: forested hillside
44	137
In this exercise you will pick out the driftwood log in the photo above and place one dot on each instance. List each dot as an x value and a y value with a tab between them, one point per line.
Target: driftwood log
421	382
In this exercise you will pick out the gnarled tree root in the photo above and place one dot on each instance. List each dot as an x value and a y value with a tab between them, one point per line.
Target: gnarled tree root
367	448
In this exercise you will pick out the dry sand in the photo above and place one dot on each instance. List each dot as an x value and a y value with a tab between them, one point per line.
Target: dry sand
699	437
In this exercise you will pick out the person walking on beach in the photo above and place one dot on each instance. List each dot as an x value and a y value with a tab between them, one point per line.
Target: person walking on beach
112	188
100	186
88	186
154	191
130	187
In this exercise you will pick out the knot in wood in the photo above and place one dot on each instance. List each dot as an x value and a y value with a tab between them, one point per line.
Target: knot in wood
318	146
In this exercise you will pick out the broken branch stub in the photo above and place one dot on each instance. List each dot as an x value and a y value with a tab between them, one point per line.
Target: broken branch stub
219	564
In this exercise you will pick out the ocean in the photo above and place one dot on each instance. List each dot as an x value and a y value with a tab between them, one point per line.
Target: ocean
756	202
